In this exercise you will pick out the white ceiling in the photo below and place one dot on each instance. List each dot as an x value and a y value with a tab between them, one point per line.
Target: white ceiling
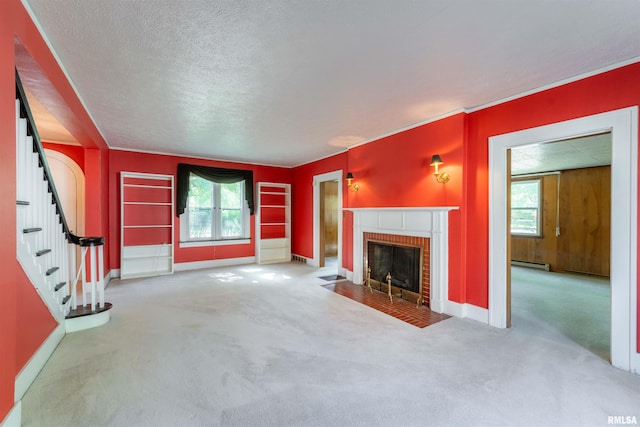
586	151
285	82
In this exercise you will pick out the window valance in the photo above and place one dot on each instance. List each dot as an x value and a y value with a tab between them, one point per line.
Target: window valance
219	175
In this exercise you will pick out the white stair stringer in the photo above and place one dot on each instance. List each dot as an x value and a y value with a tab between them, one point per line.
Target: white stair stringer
32	187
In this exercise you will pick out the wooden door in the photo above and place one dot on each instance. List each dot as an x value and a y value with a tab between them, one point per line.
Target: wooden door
328	220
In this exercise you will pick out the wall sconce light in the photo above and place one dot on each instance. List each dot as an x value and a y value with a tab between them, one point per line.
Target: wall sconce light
350	185
436	161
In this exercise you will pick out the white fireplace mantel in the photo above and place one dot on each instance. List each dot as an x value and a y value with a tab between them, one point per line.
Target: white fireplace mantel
431	222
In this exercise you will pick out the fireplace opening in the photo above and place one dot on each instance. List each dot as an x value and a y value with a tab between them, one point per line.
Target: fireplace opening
399	264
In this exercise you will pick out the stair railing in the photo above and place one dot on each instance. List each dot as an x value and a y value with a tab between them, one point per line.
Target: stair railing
51	223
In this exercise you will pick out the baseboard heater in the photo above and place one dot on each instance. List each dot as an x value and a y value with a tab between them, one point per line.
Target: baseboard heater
538	265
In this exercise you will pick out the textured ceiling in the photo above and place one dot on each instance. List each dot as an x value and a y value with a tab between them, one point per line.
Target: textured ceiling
587	151
287	82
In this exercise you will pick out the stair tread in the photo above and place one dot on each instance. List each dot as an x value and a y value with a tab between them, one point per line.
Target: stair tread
59	285
85	310
31	230
42	252
66	299
52	270
22	203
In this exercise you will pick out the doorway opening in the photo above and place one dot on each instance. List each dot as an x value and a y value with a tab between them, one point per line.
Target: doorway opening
327	222
559	240
623	125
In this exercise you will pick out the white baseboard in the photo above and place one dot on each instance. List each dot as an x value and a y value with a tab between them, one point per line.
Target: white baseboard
197	265
107	278
635	361
349	275
467	311
14	417
33	367
440	307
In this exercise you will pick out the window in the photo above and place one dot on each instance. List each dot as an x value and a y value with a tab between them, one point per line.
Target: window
525	208
214	211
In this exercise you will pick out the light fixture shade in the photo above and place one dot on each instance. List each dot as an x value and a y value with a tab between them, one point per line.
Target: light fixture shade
436	160
349	175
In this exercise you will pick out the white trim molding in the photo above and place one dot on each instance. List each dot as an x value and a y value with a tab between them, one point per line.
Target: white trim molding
203	243
197	265
468	311
14	417
110	275
226	262
30	371
623	125
431	222
317	179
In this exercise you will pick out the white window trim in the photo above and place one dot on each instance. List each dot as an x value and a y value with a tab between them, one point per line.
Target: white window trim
539	208
203	243
186	242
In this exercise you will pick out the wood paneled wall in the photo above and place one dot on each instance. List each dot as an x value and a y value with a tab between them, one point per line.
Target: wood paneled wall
585	223
542	250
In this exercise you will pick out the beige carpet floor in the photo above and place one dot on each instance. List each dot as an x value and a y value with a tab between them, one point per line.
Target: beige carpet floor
575	305
267	346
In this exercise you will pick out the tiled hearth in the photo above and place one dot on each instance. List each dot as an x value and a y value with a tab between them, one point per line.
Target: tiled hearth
400	309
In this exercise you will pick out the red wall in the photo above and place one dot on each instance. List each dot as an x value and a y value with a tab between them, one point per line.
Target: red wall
302	201
75	152
8	264
160	164
613	90
395	171
35	322
391	172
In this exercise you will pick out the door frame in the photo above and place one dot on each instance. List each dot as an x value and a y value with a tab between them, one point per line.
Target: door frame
317	179
623	125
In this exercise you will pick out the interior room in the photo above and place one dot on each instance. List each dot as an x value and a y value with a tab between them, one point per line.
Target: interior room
560	227
193	185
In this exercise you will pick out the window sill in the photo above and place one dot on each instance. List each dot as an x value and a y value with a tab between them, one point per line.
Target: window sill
200	243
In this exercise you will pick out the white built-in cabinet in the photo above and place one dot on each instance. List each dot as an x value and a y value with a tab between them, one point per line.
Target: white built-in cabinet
146	227
273	222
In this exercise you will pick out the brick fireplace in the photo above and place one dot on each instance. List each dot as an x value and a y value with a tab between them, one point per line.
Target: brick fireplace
427	226
409	241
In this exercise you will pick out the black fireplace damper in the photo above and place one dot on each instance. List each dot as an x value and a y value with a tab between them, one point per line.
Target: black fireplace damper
403	262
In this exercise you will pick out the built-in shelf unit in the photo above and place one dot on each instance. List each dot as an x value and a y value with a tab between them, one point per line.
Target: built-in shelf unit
273	223
147	220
